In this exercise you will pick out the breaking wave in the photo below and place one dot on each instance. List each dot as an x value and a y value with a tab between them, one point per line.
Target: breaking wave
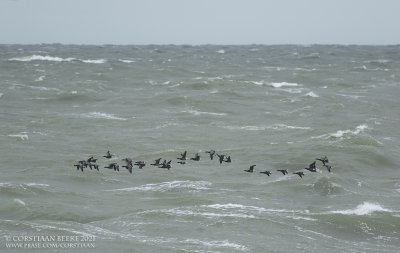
365	208
102	115
343	133
54	59
263	128
168	186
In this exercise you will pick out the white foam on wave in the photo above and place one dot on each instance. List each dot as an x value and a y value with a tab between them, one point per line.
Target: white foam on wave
22	186
195	112
283	126
40	58
217	244
342	133
255	209
221	51
98	61
42	88
126	61
23	136
102	115
40	78
235	206
262	128
53	59
20	202
36	184
179	212
247	128
1	95
166	186
312	94
366	208
283	84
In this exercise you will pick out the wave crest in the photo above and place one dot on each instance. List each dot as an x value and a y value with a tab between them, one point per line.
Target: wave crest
366	208
54	59
168	186
343	133
102	115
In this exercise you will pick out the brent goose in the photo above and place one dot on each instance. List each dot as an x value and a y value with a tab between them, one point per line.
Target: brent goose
267	172
196	157
300	173
108	155
212	153
251	169
311	167
284	172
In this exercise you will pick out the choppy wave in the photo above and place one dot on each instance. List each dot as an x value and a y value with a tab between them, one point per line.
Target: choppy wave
126	61
312	94
195	112
263	128
98	61
40	78
23	136
343	133
54	59
102	115
366	208
283	84
202	213
168	186
42	88
217	244
40	58
16	188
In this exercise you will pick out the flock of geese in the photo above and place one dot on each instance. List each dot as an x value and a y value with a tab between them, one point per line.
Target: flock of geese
129	164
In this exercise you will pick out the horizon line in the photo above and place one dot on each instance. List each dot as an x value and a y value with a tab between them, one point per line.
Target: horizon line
201	44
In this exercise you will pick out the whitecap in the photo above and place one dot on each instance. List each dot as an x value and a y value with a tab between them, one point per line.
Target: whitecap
102	115
40	78
259	83
1	95
294	217
166	186
236	206
365	208
359	129
178	212
195	112
248	128
312	94
40	58
262	128
42	88
54	59
20	202
125	61
341	133
23	136
283	126
283	84
98	61
36	184
221	51
217	244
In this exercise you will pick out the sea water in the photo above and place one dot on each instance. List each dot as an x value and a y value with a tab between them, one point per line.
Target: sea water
276	107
